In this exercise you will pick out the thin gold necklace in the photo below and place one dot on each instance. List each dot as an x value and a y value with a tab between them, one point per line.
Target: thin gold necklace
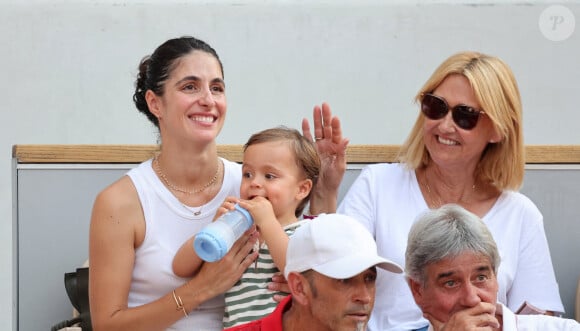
191	209
175	188
439	202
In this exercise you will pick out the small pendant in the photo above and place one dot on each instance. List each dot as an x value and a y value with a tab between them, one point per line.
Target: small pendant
197	213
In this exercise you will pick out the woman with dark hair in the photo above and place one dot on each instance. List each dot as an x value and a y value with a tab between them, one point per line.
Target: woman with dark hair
139	222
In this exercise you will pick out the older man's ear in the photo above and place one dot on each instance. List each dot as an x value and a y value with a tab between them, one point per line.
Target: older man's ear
416	290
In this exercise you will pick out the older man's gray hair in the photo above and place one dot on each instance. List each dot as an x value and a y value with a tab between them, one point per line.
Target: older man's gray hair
444	233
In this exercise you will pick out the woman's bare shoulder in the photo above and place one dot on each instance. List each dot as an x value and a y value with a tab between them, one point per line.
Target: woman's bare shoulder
119	198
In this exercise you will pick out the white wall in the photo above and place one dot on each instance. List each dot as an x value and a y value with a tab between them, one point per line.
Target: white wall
68	69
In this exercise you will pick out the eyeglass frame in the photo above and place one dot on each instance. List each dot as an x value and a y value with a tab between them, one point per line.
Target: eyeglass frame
454	110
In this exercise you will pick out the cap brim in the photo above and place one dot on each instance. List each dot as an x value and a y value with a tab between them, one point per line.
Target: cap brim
350	266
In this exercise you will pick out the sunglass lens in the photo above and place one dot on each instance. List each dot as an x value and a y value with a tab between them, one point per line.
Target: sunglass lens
465	117
433	107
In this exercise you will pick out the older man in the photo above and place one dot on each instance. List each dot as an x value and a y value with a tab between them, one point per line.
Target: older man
331	271
451	267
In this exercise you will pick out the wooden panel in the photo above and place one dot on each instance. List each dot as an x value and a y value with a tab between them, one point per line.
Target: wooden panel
100	153
551	154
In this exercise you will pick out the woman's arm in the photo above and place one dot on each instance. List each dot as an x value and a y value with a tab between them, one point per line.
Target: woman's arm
534	280
331	147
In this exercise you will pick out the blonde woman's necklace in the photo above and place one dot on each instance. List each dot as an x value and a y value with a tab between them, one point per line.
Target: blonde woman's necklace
439	202
173	187
433	204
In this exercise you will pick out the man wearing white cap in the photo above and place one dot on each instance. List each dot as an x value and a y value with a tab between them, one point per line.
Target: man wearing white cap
331	271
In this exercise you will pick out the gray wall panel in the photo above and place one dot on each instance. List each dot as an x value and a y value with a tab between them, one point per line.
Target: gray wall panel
54	208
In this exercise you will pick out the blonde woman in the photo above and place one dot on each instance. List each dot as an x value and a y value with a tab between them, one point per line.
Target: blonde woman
466	147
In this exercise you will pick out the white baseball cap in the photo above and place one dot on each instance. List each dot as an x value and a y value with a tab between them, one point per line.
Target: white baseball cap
336	246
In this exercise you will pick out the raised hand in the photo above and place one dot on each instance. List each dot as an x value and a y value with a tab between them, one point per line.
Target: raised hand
331	147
